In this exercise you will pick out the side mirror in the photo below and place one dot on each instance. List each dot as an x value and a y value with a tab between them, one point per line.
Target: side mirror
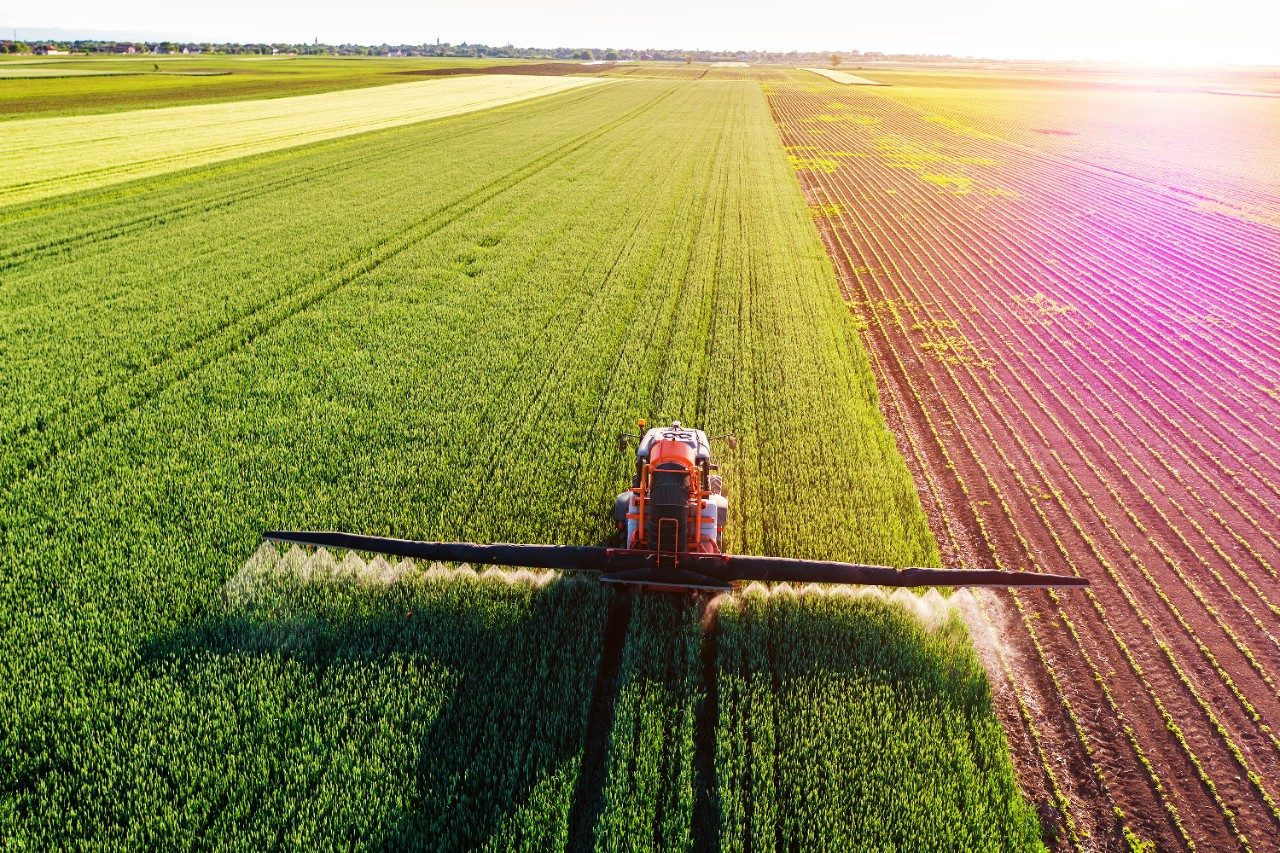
622	442
733	441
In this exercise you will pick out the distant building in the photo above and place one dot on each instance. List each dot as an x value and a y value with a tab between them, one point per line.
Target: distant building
191	48
121	47
49	50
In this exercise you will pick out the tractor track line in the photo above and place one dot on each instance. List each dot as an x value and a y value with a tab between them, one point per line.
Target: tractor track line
588	791
706	811
511	430
672	215
237	334
701	401
682	259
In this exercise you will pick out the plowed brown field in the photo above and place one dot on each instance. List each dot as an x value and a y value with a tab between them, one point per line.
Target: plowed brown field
1077	340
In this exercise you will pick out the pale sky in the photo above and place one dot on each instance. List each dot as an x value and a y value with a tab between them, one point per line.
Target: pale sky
1146	31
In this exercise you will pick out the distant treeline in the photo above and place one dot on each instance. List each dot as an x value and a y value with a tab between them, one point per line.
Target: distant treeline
445	49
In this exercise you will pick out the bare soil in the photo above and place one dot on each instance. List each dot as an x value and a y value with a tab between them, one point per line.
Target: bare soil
1081	368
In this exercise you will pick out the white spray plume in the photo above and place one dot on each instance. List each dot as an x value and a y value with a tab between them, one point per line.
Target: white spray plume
268	565
931	608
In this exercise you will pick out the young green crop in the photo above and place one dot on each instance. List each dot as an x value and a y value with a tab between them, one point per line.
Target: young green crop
433	331
649	789
348	710
844	723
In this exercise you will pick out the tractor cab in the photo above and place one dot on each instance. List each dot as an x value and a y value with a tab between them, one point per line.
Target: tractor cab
675	504
693	439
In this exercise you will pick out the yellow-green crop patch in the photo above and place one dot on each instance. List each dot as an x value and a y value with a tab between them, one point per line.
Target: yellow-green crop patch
843	77
40	158
120	83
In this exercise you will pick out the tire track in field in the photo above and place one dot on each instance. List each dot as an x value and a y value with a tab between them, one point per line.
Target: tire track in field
19	256
705	826
39	446
588	793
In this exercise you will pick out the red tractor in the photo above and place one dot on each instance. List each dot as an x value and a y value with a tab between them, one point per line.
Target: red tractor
675	503
671	521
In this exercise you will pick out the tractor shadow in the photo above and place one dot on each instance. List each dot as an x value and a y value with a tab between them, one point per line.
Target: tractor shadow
490	686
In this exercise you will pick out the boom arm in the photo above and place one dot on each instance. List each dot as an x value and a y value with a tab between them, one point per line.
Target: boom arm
695	570
572	558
